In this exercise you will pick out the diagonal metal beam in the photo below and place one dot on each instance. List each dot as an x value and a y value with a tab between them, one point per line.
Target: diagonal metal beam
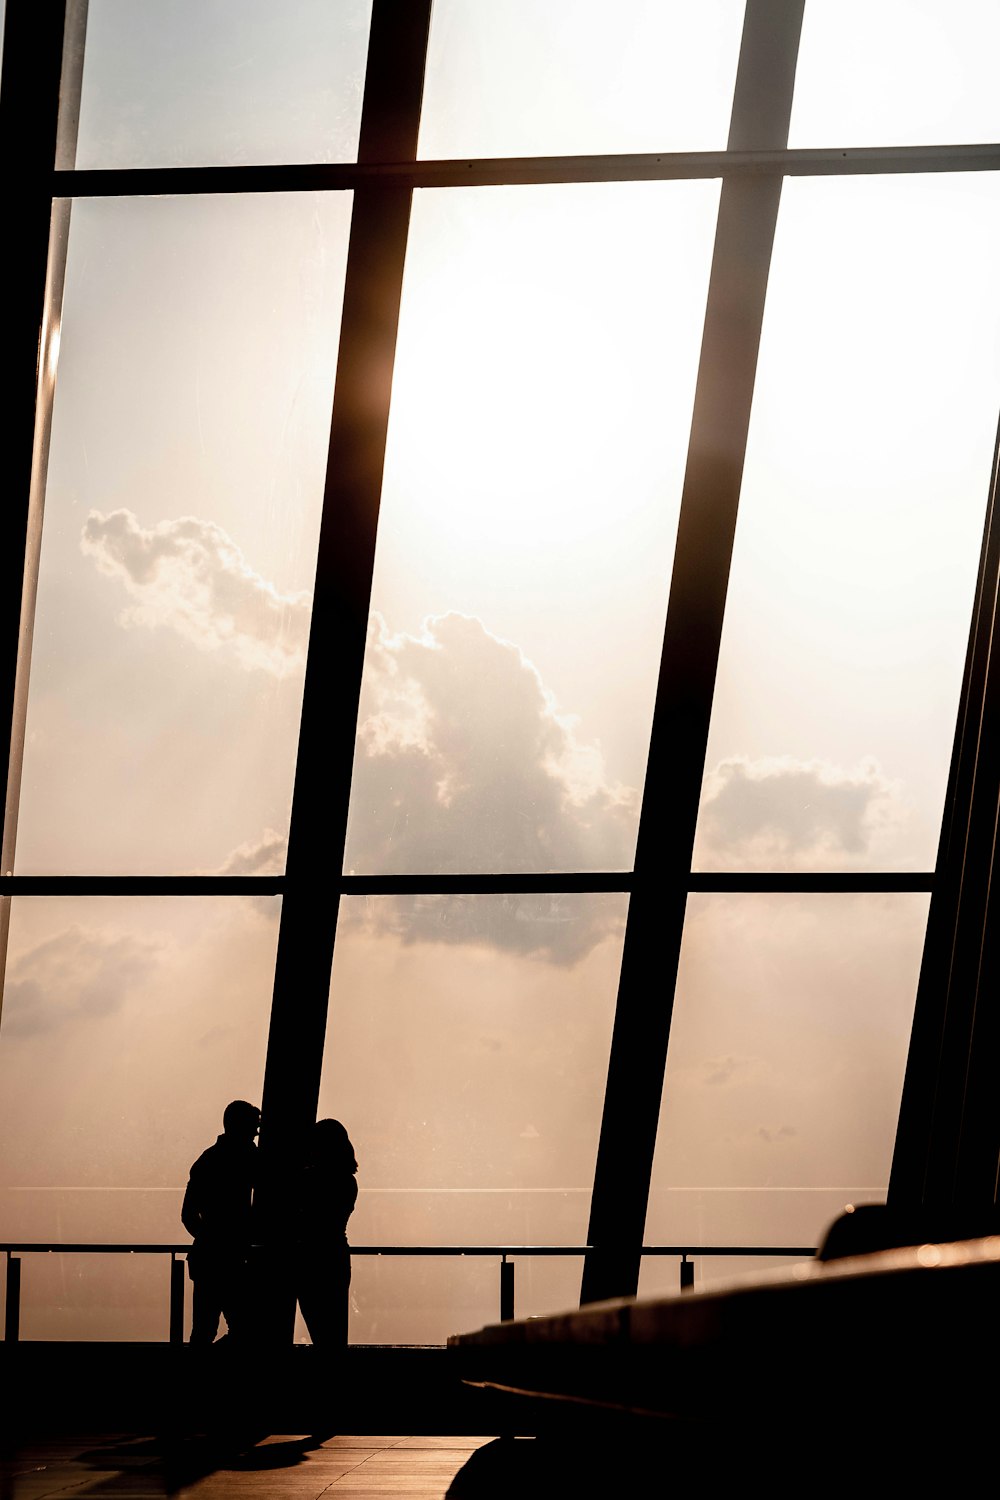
947	1139
29	111
393	88
29	121
747	216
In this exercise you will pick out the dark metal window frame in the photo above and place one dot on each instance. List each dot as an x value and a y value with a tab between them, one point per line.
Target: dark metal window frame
752	169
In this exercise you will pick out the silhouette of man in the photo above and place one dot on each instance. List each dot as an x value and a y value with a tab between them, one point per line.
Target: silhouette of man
216	1214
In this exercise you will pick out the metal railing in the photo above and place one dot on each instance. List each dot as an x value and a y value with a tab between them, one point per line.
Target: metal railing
504	1253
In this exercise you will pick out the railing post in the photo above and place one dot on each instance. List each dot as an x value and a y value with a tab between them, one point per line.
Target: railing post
176	1300
13	1310
506	1290
687	1274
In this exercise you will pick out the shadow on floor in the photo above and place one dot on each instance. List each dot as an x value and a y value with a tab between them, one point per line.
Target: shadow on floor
524	1467
179	1462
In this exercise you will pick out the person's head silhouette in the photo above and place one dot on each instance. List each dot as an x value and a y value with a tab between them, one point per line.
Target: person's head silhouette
330	1145
241	1120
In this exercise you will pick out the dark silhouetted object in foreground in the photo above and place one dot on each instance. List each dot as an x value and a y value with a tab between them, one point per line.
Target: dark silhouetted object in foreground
217	1214
869	1227
327	1193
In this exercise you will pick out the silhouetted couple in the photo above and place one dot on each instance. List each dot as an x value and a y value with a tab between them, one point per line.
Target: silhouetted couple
218	1214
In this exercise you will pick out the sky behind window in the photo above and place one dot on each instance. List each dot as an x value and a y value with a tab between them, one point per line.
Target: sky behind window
547	356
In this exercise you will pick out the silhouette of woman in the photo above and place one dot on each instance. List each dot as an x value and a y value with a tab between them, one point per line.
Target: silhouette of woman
328	1191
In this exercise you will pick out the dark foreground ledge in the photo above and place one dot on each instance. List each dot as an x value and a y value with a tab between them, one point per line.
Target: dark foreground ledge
896	1347
97	1387
893	1352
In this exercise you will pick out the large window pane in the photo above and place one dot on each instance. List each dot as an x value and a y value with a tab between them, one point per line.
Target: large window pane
787	1049
898	73
554	77
867	472
544	379
185	483
128	1025
199	83
466	1053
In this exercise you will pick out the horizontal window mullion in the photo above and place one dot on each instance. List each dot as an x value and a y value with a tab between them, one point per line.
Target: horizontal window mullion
142	885
457	885
643	166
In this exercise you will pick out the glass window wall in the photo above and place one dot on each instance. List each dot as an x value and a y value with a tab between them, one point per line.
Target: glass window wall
864	494
467	1050
196	360
787	1049
542	395
128	1025
554	77
899	73
198	83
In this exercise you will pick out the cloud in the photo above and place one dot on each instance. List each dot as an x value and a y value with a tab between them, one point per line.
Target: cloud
78	974
464	765
216	1034
190	576
719	1070
797	809
263	856
775	1137
561	929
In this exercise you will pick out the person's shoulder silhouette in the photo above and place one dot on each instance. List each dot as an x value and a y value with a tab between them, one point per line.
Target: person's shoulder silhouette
328	1185
216	1212
217	1202
327	1190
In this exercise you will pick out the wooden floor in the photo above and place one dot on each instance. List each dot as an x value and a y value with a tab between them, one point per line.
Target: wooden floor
137	1468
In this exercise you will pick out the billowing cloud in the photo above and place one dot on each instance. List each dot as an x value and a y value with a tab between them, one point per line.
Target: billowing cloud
465	765
561	929
190	576
78	974
263	856
795	809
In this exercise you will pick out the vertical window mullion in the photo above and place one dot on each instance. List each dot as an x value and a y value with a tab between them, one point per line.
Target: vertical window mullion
748	212
380	220
29	119
955	1005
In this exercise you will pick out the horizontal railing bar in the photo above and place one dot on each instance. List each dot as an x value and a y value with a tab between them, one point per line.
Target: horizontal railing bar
498	171
93	1249
553	883
39	1248
141	885
578	1250
813	882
